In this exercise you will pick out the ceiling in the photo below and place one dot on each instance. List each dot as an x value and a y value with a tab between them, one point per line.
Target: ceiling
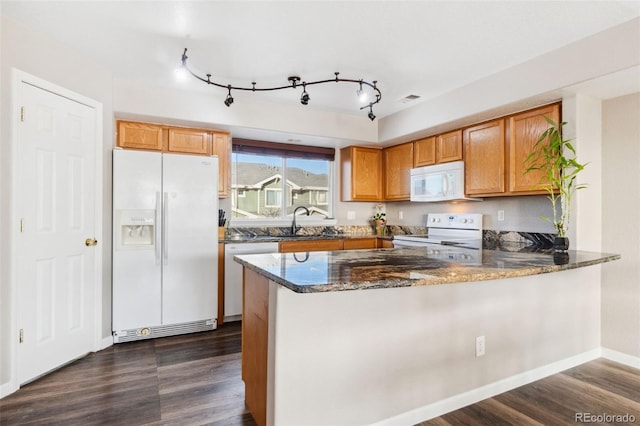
422	48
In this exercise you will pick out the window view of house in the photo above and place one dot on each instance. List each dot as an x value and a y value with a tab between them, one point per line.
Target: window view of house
271	187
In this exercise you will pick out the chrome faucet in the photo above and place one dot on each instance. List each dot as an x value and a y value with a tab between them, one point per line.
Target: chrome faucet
294	228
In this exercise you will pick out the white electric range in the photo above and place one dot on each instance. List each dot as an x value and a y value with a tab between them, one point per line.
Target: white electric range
450	236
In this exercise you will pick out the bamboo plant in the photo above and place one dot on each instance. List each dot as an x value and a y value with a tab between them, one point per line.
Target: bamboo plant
556	158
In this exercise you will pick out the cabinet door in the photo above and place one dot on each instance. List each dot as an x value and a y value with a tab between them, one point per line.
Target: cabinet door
524	131
424	152
361	174
139	135
397	161
384	243
360	243
309	245
222	148
449	147
484	165
189	141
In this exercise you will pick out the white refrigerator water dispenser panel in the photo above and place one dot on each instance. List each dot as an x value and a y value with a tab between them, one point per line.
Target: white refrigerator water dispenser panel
135	229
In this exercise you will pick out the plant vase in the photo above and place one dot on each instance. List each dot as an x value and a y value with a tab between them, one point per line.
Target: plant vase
560	244
380	226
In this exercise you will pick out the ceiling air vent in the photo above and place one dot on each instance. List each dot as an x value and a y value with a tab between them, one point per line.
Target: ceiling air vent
409	98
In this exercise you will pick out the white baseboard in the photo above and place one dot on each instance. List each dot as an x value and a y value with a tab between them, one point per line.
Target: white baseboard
471	397
7	389
106	342
622	358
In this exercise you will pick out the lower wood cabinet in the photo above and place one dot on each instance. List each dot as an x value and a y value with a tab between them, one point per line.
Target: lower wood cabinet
384	243
255	343
309	245
328	245
360	243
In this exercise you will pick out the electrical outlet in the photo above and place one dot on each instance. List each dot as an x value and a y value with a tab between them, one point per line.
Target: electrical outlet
480	346
400	215
501	215
351	215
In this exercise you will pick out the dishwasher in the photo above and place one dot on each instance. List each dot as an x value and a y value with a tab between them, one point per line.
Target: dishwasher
233	275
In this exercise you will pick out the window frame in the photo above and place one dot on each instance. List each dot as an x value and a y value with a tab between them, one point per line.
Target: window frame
284	152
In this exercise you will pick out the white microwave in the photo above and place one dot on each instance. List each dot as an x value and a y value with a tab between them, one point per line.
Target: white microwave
441	182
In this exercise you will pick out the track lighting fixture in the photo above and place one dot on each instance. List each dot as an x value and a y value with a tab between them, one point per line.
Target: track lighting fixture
304	99
229	100
294	81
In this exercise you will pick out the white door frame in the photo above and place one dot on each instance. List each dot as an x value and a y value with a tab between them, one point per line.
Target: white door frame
18	77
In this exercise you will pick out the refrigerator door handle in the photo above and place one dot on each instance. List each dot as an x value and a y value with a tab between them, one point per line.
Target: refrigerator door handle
156	228
165	219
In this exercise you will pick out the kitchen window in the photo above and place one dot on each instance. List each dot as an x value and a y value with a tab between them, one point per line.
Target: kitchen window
261	172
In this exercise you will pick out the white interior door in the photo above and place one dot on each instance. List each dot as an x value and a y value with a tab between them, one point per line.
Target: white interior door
56	261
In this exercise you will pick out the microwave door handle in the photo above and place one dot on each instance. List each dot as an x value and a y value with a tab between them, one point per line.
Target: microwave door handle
445	184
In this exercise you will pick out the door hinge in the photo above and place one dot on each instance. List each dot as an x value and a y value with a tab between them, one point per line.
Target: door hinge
21	225
21	337
21	113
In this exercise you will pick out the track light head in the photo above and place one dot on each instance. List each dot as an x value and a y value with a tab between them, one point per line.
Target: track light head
371	115
229	100
304	99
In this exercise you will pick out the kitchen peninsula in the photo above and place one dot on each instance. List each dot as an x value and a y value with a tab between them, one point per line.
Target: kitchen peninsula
388	336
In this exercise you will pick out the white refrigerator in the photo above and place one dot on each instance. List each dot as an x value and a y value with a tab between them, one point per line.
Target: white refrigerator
165	244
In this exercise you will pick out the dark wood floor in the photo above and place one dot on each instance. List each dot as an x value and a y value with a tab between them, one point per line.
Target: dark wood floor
187	380
195	380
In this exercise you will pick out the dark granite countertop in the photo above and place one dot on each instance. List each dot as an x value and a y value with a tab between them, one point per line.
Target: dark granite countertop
308	272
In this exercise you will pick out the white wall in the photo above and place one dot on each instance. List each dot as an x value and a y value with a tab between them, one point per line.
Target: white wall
621	229
415	345
526	85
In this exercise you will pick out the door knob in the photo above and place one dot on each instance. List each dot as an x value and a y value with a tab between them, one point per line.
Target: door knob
89	242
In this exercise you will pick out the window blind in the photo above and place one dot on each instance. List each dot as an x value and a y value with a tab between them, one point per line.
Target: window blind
249	146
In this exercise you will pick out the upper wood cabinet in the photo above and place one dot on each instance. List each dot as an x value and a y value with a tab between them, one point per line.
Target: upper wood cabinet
449	147
484	158
424	152
189	141
140	136
397	162
361	174
495	153
524	131
183	140
221	147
